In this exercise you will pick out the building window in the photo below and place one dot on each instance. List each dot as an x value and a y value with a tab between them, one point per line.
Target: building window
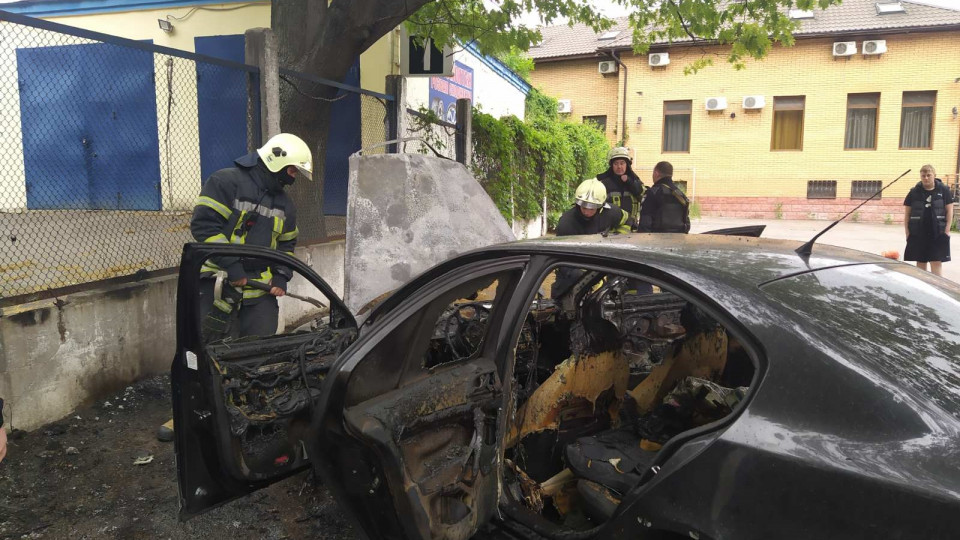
916	120
600	122
862	121
822	189
864	189
787	123
676	126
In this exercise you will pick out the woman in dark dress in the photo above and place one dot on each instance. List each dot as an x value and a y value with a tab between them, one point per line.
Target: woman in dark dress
928	213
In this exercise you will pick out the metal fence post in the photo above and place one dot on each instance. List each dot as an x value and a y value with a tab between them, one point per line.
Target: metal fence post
464	140
394	87
261	51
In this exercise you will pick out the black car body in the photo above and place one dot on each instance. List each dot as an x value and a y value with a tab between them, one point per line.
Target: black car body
845	426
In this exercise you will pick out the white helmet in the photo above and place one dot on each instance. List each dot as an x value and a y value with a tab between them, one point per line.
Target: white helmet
591	193
284	150
620	152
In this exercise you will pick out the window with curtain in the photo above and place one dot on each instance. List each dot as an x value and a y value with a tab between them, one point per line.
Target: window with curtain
788	123
862	121
676	125
916	119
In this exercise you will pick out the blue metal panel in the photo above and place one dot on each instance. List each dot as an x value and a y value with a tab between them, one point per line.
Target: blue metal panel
221	104
343	140
89	122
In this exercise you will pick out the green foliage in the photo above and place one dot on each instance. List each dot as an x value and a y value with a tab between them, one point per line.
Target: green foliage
518	162
888	219
749	27
778	211
518	61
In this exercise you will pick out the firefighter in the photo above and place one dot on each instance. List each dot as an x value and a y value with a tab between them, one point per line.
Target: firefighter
590	214
246	204
664	208
624	188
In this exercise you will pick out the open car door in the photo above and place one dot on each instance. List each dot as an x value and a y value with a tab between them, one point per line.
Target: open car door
243	395
412	417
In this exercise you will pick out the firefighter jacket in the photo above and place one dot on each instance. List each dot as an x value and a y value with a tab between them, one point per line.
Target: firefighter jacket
938	199
626	195
665	209
610	218
246	205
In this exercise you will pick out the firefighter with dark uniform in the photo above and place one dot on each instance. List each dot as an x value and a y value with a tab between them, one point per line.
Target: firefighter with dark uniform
664	208
590	214
246	204
624	188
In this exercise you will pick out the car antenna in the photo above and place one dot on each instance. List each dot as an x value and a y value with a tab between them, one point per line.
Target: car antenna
805	250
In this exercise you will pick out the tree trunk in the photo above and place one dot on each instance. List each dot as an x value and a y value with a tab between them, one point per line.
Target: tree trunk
323	40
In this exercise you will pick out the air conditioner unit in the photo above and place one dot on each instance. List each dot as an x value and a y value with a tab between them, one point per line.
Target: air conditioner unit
659	59
608	66
564	106
716	103
845	48
753	102
876	46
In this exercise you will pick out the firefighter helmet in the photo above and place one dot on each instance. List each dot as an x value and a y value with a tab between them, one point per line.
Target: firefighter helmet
620	152
591	193
284	150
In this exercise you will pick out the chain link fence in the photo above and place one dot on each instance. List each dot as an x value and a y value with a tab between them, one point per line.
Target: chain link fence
437	136
358	120
105	143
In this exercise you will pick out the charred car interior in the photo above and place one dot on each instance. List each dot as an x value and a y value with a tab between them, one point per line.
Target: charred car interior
608	370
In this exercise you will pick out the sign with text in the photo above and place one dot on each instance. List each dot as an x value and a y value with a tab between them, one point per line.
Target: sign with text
445	91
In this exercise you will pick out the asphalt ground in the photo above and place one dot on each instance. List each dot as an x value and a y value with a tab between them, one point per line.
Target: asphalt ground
870	237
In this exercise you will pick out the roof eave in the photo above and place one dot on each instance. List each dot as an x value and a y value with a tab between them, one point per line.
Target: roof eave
812	35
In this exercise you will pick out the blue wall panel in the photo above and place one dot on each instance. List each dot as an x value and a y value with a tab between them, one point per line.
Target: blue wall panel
221	103
89	123
343	140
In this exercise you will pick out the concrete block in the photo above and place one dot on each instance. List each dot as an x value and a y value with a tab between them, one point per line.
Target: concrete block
407	213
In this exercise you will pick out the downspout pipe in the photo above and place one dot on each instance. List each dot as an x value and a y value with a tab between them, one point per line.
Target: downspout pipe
623	113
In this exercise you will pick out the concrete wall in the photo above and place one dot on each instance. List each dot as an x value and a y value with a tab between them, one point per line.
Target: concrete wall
733	156
59	353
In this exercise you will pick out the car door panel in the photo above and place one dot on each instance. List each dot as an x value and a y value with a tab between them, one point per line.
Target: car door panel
242	407
438	433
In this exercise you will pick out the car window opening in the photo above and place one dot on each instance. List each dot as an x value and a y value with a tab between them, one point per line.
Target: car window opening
608	370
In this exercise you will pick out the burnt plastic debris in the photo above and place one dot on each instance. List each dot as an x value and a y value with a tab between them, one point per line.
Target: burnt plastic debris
693	402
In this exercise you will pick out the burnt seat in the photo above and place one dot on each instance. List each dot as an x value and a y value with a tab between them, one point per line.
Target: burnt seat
608	465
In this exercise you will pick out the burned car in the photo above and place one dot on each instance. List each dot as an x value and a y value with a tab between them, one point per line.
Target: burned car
675	386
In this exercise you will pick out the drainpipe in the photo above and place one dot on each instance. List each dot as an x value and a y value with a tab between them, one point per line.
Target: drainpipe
623	114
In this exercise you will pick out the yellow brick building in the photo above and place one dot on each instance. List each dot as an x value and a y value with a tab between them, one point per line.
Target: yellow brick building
831	128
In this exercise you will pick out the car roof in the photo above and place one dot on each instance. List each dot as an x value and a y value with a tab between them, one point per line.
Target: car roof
744	260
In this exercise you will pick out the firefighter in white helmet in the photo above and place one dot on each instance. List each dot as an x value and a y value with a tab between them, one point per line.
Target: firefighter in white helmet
624	187
591	213
246	204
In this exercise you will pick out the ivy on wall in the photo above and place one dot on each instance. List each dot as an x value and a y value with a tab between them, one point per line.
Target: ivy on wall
518	162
